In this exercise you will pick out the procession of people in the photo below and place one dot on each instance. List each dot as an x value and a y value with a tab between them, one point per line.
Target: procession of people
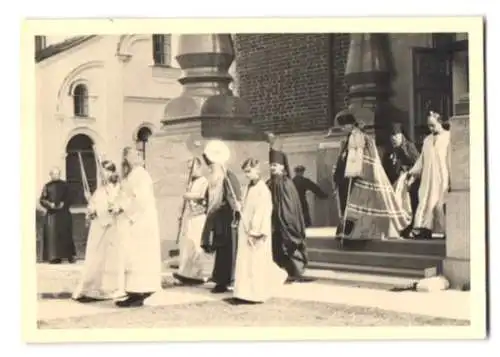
255	230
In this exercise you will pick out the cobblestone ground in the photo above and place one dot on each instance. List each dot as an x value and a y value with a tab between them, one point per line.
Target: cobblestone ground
274	313
215	311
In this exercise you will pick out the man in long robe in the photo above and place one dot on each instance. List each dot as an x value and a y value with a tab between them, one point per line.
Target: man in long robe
102	275
141	238
220	230
58	241
433	169
398	160
303	185
289	249
257	276
191	255
368	205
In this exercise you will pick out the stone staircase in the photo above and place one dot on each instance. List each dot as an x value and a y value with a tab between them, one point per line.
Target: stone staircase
411	259
369	264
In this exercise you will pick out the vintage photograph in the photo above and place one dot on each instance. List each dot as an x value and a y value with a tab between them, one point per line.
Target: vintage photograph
281	179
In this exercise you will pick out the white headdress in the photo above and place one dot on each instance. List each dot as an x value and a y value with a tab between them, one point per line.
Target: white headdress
217	152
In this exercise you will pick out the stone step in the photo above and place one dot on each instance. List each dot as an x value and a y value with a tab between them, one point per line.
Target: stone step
381	271
434	247
362	280
379	259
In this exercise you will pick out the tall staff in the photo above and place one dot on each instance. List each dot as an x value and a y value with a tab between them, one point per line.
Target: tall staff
184	203
85	182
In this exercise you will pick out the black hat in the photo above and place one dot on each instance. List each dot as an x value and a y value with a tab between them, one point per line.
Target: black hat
396	128
346	116
279	157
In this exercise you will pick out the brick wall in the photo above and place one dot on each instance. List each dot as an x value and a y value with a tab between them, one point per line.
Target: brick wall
284	78
292	82
340	48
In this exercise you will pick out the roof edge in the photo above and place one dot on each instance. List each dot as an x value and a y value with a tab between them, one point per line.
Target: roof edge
57	48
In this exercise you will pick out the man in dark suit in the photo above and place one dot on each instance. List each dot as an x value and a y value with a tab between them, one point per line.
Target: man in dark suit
303	184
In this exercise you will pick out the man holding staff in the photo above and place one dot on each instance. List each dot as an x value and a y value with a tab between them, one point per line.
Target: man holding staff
223	200
191	255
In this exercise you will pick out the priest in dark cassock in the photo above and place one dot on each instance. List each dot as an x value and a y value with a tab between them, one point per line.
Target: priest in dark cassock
400	157
223	214
58	241
288	237
368	206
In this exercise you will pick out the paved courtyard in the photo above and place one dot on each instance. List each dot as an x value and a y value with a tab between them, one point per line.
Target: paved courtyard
308	304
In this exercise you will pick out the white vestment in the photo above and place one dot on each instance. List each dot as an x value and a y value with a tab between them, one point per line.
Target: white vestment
257	277
433	167
192	257
103	272
142	246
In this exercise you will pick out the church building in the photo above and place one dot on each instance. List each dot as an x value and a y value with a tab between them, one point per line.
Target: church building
112	91
104	92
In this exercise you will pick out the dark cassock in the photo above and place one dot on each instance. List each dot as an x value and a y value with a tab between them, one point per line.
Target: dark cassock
58	241
303	185
288	237
367	202
400	157
220	230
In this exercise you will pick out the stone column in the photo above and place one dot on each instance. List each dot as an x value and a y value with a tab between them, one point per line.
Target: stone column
368	78
206	109
456	266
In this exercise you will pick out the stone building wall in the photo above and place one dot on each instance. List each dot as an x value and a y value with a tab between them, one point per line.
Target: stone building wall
287	79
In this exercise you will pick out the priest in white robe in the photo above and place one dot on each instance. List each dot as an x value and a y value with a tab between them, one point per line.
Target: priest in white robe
433	169
257	276
103	275
192	257
141	238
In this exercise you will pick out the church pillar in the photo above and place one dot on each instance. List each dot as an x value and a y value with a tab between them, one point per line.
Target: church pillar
456	266
368	78
206	109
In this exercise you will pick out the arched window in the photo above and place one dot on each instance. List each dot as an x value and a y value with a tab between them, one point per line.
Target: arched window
162	50
142	138
81	101
82	144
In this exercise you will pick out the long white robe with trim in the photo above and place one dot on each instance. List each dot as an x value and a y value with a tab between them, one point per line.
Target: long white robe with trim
142	245
103	272
257	277
433	167
192	257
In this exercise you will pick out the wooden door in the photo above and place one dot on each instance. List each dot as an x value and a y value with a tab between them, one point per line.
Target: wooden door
432	87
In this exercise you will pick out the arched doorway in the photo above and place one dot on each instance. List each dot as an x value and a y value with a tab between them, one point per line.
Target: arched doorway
142	139
80	143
